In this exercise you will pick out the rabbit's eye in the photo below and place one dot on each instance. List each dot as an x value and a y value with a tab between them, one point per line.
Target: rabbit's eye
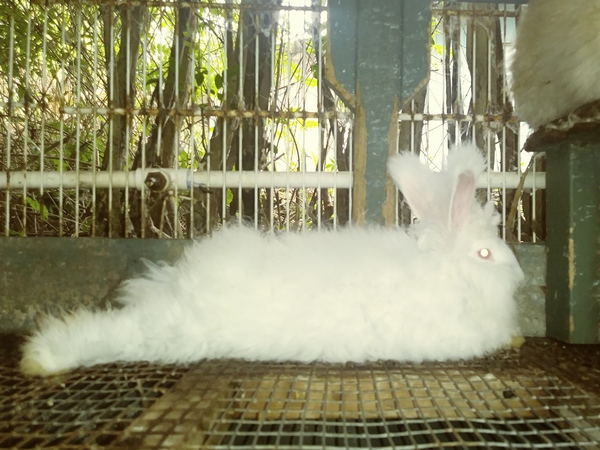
485	253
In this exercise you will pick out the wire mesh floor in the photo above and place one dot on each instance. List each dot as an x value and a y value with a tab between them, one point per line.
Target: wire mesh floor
544	395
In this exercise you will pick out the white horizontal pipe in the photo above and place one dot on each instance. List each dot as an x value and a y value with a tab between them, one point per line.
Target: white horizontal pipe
69	180
511	180
184	178
251	179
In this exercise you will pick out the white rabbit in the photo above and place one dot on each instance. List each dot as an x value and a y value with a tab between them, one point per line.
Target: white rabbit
442	291
556	67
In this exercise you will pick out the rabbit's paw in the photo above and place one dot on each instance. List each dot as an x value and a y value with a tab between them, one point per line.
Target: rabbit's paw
32	367
517	342
38	361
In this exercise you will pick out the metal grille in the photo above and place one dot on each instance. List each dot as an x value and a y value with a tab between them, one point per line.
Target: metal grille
544	395
92	407
167	119
244	128
373	433
468	98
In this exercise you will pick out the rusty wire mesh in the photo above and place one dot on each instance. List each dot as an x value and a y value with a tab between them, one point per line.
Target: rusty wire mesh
544	395
90	407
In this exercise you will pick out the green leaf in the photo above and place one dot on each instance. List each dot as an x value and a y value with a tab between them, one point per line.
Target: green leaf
201	76
219	80
40	209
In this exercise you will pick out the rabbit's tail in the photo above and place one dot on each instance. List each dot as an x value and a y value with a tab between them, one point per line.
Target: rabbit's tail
82	338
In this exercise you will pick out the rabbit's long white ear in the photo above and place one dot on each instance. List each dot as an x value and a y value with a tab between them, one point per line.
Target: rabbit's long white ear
421	188
464	166
462	199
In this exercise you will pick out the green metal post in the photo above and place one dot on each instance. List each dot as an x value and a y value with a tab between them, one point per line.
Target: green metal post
573	233
380	55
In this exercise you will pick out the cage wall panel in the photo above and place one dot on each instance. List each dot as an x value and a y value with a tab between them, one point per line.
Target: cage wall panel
77	141
93	97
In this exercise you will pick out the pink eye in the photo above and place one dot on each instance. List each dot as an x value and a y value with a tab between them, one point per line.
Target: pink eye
484	253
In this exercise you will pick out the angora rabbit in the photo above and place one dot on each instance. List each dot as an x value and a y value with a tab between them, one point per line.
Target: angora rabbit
556	67
444	290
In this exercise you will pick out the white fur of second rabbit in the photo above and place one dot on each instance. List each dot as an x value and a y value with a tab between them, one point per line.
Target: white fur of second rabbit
556	65
355	294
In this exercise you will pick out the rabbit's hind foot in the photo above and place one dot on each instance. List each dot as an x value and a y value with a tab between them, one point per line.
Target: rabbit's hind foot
33	363
517	342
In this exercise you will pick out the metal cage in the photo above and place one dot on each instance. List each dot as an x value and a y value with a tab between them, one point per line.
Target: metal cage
167	119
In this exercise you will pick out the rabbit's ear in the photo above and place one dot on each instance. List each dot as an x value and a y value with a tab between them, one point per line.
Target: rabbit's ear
465	164
462	199
421	188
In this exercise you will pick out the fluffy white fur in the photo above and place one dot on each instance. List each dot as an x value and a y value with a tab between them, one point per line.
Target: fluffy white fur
556	67
349	295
